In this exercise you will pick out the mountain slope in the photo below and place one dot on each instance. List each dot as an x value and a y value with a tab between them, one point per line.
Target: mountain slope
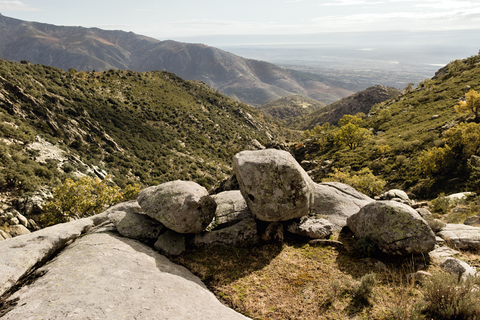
250	81
148	127
359	102
291	107
410	136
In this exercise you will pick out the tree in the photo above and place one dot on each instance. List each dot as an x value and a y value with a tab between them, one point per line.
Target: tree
471	105
351	135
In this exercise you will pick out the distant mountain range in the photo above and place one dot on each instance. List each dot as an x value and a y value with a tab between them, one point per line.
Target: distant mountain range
250	81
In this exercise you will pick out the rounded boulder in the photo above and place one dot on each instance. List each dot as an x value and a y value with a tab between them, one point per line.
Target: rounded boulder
181	206
394	227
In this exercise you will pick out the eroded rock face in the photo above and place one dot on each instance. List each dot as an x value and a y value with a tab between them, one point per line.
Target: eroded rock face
336	202
396	228
182	206
274	185
105	276
131	222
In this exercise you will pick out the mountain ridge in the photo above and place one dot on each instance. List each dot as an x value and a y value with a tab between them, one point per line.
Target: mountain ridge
250	81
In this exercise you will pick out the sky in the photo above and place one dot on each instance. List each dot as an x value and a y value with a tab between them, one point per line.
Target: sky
174	19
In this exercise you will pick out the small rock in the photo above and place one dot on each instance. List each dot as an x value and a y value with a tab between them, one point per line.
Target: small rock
18	230
231	208
13	221
419	276
4	235
423	212
23	220
473	221
311	228
435	116
33	225
240	234
170	243
442	253
461	268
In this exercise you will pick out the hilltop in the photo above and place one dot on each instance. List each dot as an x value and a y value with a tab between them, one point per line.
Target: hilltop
250	81
148	128
290	107
359	102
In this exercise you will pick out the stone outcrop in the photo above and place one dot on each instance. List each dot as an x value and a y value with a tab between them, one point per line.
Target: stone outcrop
104	276
21	254
394	227
182	206
461	236
170	243
336	202
274	185
458	267
240	234
396	195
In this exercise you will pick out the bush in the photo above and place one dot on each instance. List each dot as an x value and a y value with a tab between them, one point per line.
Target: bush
446	298
441	204
364	180
82	198
362	291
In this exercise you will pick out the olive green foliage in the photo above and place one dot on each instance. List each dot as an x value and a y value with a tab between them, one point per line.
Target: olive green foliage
82	198
471	105
149	127
419	141
446	298
363	180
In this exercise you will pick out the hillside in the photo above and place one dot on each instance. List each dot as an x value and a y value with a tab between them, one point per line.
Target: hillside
359	102
291	107
419	142
147	127
250	81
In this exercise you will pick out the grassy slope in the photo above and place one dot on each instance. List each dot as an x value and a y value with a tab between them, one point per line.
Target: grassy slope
406	125
150	127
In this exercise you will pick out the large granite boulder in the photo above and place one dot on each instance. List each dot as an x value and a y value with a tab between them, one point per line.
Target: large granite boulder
132	222
461	236
335	202
231	209
395	227
105	276
274	185
170	243
182	206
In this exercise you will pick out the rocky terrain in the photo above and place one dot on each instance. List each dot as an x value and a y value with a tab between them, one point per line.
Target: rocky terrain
250	81
291	107
104	266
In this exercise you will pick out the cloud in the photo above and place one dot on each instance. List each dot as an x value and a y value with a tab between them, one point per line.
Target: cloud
293	1
16	6
349	3
448	4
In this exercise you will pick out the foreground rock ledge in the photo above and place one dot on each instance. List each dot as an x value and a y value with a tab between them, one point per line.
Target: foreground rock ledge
105	276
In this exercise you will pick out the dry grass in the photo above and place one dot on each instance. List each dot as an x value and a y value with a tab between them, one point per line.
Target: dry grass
297	281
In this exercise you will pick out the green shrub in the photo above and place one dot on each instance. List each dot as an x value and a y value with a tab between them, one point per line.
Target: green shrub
364	180
362	291
441	204
446	298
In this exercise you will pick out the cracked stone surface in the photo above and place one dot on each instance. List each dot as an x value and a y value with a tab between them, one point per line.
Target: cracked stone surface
105	276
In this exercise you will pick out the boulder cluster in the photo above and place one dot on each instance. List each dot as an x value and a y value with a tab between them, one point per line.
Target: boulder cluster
275	196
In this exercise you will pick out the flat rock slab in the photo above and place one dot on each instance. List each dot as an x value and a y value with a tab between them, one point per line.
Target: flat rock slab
461	236
105	276
20	254
442	253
